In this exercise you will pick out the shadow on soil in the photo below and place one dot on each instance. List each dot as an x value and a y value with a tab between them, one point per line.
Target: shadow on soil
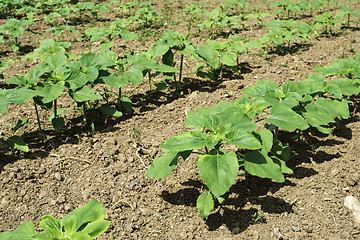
232	212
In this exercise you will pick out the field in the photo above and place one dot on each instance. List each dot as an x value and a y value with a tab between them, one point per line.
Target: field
93	92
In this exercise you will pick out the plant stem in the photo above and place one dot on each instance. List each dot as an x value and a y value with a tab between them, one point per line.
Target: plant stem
275	141
55	109
149	72
181	68
38	119
84	112
118	103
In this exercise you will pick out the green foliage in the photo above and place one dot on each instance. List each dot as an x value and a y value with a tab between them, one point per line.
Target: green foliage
283	32
293	106
325	24
82	223
13	29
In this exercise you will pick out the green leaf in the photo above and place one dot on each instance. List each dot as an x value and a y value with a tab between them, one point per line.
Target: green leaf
126	103
266	138
3	104
19	95
260	88
58	123
207	52
205	203
95	229
286	118
284	168
20	123
134	75
110	111
85	94
127	35
228	58
25	231
114	80
50	92
218	171
187	141
80	236
243	139
49	233
91	212
163	166
258	163
17	143
49	222
55	61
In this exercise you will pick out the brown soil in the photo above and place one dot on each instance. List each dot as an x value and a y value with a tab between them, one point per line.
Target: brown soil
68	170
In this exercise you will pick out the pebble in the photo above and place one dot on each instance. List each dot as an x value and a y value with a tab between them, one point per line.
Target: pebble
133	183
58	176
128	228
296	228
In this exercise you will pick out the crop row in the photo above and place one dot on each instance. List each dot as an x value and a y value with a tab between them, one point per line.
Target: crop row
77	76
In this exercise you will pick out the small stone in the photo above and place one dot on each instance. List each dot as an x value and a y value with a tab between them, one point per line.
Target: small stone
13	169
128	228
133	183
58	176
296	228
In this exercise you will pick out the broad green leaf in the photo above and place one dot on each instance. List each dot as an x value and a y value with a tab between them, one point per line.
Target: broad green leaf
95	229
286	118
163	166
284	168
49	221
90	60
205	203
317	116
3	104
257	163
187	141
168	58
159	49
55	61
266	138
80	236
218	171
347	86
25	231
233	119
243	139
49	233
92	211
334	107
19	95
133	75
110	111
284	151
50	92
126	103
208	53
58	123
260	88
77	80
228	58
116	81
17	143
127	35
85	94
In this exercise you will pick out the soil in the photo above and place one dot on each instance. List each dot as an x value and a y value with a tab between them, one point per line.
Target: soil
108	164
